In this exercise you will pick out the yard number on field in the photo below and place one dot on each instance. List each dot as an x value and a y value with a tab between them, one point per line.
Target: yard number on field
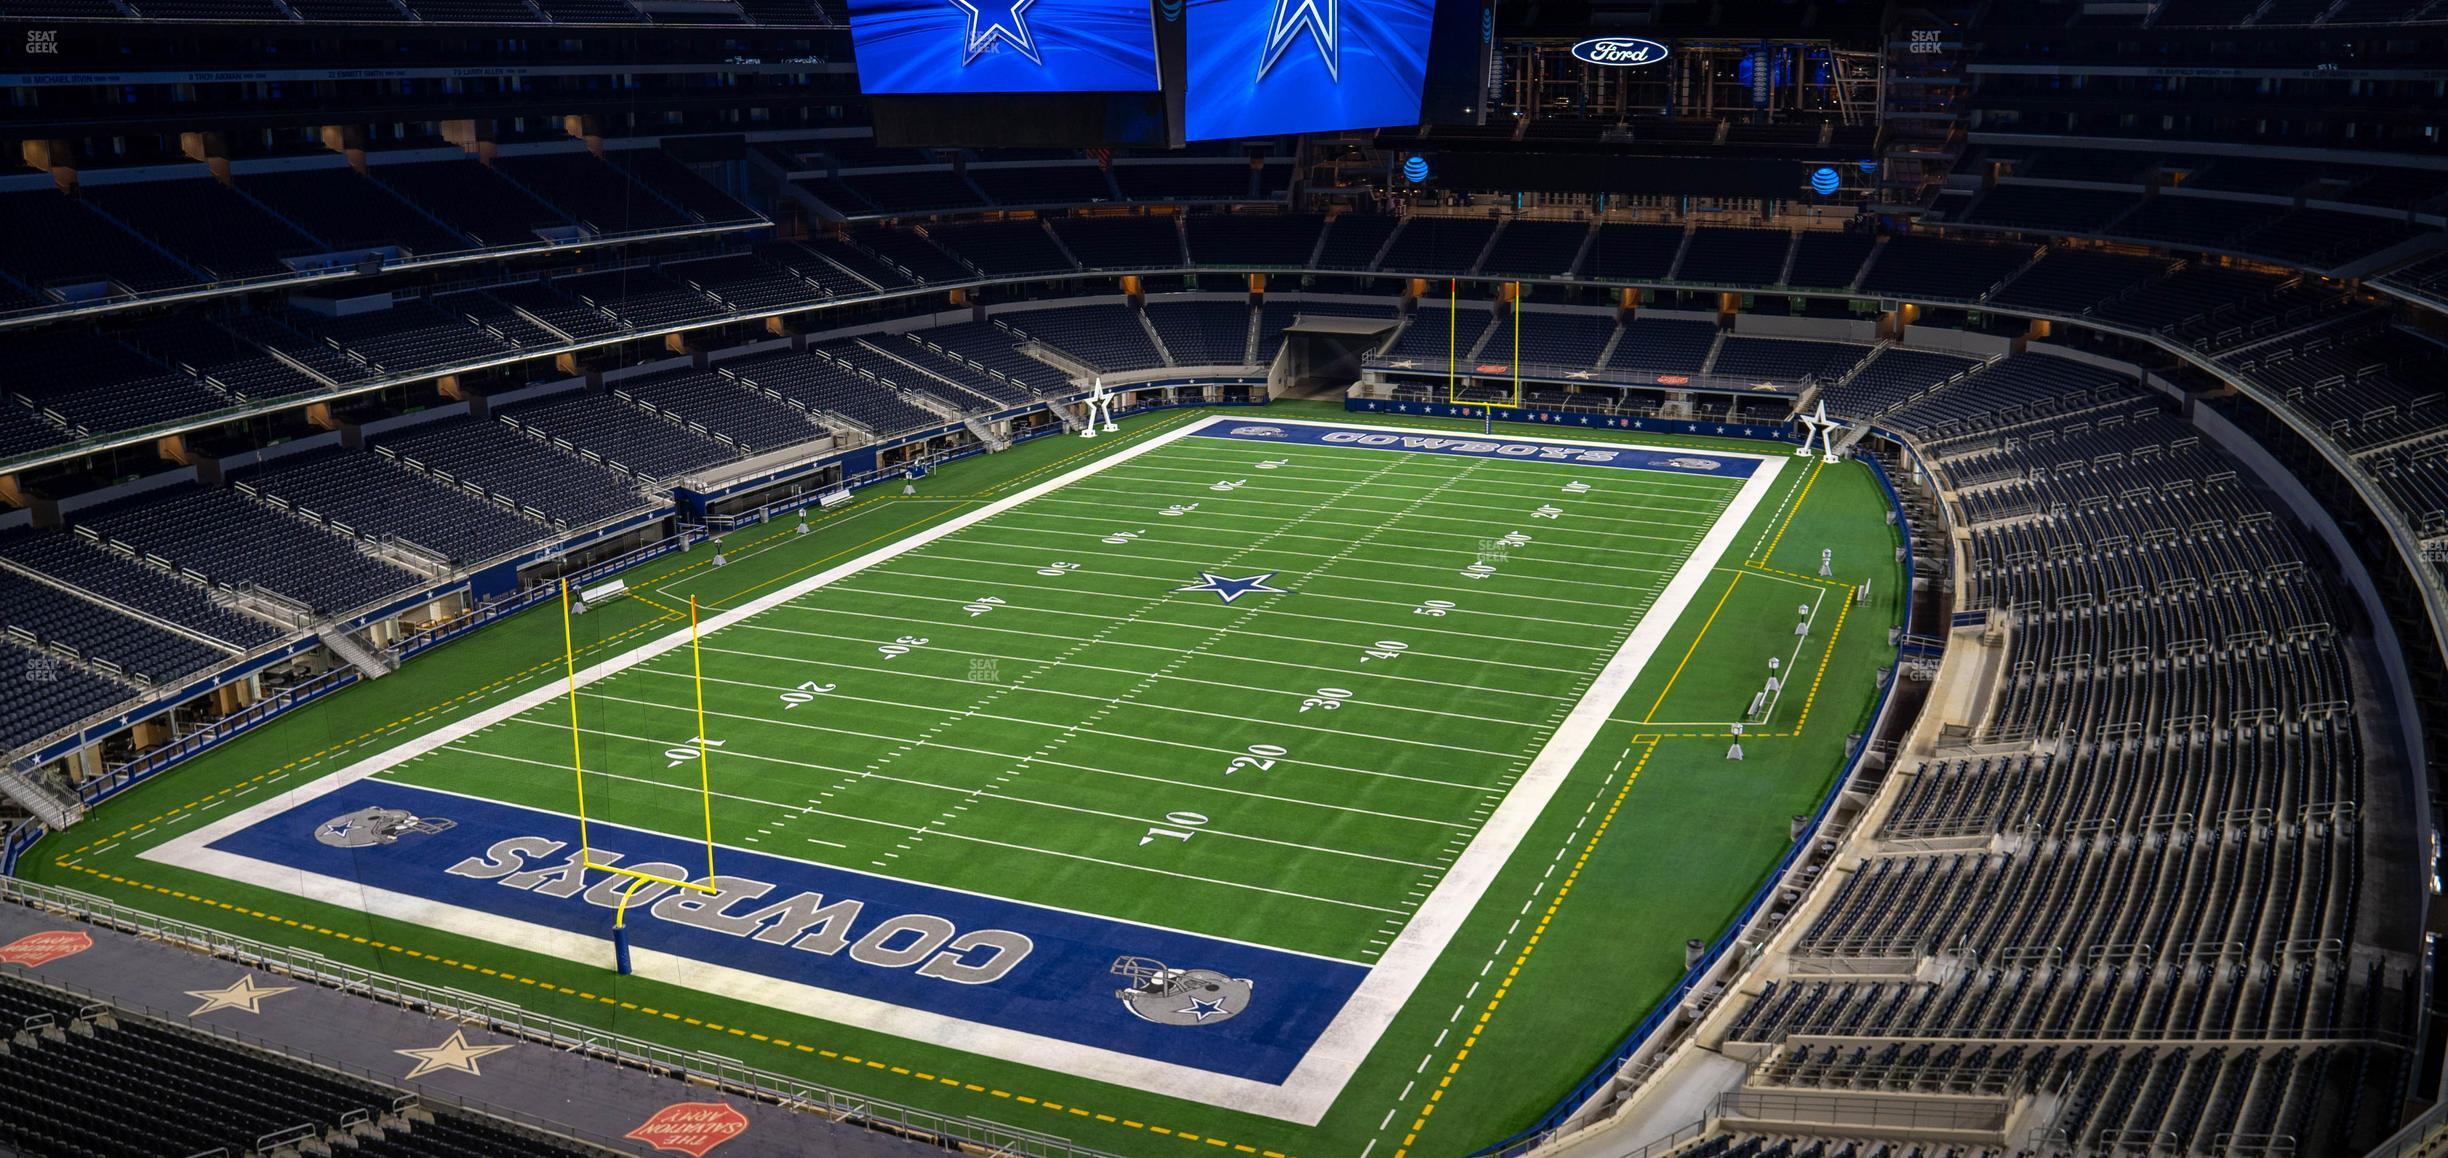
1326	699
688	750
804	693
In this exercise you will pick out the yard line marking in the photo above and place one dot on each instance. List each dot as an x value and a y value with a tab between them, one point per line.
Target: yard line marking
1407	605
1329	459
1407	584
1288	693
650	742
653	783
905	619
1222	506
1464	785
1141	777
1018	525
1240	497
1446	568
1019	518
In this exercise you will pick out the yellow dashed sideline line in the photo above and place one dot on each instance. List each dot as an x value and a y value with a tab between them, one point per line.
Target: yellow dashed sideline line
1487	1014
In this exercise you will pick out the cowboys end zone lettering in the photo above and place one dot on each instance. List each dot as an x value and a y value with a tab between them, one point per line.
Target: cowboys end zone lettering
1157	994
1573	454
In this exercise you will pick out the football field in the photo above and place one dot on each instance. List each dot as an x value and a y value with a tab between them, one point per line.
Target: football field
1177	771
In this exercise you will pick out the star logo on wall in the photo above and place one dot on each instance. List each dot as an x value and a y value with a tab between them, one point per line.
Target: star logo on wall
1004	24
1291	18
453	1054
1231	589
244	994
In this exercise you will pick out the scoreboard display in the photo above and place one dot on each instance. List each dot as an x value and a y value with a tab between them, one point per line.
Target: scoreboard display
1264	67
1003	46
1157	72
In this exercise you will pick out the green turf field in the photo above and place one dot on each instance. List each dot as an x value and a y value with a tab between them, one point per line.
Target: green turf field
1050	701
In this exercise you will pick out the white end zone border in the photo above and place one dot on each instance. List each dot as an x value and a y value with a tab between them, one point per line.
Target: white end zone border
1313	1085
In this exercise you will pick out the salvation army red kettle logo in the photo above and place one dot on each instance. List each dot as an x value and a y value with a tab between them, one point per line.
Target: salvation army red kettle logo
692	1128
39	949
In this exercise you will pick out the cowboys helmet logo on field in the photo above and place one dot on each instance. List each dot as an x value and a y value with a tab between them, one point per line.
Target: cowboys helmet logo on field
1259	431
1169	996
1695	463
368	827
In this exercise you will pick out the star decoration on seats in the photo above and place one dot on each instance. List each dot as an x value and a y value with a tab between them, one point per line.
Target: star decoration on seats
1006	24
1230	589
1405	364
1202	1010
453	1054
243	994
1583	375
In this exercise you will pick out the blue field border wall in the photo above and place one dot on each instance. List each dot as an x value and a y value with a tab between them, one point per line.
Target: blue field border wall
18	841
223	730
1536	1133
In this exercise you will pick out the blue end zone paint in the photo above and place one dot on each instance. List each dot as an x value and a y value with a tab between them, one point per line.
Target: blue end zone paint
1523	449
1063	988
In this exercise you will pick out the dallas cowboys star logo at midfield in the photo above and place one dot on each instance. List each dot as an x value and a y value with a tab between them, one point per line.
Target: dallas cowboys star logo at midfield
1006	25
1231	589
1291	18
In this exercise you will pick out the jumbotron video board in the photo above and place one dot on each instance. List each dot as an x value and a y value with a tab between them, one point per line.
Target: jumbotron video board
1158	72
1262	67
1003	46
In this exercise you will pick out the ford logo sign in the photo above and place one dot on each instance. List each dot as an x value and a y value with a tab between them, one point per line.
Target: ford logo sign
1620	51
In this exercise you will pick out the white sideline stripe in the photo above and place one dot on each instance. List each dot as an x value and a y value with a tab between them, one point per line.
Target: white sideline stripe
1303	1098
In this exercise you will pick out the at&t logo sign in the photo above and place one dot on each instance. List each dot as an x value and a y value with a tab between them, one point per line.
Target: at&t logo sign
1619	51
